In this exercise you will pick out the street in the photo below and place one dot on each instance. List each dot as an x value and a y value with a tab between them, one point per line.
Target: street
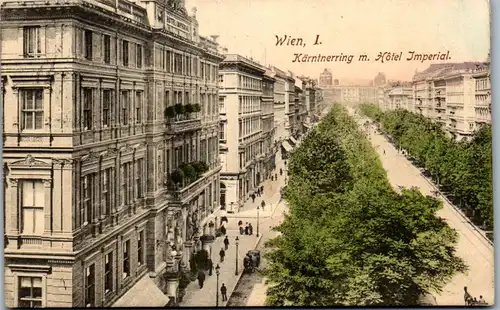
270	217
472	246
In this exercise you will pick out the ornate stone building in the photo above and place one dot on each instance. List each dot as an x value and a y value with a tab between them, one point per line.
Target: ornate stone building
107	101
325	79
241	109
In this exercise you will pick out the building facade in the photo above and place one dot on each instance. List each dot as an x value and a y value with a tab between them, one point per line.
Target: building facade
92	144
325	79
268	127
482	104
290	117
446	93
280	100
241	92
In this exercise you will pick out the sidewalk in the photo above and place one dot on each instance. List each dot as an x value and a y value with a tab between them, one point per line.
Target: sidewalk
206	297
196	297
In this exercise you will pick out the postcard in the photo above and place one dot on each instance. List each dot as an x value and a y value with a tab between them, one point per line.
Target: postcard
228	153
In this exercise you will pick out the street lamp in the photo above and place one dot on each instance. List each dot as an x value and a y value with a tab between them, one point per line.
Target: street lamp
236	272
217	272
258	208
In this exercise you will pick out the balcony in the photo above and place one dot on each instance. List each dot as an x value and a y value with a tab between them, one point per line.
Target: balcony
182	192
182	118
177	127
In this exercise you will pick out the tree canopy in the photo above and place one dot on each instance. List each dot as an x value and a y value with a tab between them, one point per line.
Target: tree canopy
462	169
349	238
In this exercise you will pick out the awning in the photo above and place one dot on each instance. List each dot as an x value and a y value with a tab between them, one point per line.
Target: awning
293	140
287	146
144	293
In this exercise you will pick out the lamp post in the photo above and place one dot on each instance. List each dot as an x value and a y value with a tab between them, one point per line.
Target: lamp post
258	208
217	272
236	272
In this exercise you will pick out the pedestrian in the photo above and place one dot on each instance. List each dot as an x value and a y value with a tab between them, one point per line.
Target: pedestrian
262	189
481	299
253	197
222	253
263	204
223	230
223	292
201	278
467	296
242	230
226	243
474	301
272	177
210	266
246	229
250	229
281	171
240	223
384	152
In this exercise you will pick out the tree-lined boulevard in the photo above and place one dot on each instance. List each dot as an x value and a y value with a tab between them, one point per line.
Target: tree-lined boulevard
351	239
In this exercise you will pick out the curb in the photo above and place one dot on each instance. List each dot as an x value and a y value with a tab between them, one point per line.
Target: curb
457	210
241	274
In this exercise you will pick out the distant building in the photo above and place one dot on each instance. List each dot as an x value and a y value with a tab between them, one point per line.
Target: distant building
449	94
336	82
379	80
325	78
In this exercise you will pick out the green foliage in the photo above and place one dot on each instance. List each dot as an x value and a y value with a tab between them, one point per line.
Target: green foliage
177	176
169	112
188	108
349	239
179	109
189	172
196	107
463	169
200	167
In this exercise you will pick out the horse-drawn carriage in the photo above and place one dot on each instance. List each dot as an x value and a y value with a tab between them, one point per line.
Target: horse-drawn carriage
251	261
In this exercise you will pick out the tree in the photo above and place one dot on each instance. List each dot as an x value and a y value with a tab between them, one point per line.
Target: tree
349	239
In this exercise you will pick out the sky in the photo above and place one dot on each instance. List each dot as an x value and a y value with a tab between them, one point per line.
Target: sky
353	27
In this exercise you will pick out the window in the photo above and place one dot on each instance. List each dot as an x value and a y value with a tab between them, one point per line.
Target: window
32	45
106	104
88	198
222	135
88	44
32	108
140	249
138	55
167	98
30	292
33	204
221	78
125	53
138	105
90	286
106	185
108	273
88	104
138	177
169	61
107	49
126	259
125	184
125	107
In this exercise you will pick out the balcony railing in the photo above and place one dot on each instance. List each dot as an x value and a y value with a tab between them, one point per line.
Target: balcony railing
176	127
184	194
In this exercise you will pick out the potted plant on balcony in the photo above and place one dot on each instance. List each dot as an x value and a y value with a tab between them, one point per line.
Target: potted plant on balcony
196	108
199	168
169	113
188	109
189	172
179	109
177	177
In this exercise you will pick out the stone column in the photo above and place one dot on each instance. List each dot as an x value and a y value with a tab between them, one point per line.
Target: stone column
188	245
